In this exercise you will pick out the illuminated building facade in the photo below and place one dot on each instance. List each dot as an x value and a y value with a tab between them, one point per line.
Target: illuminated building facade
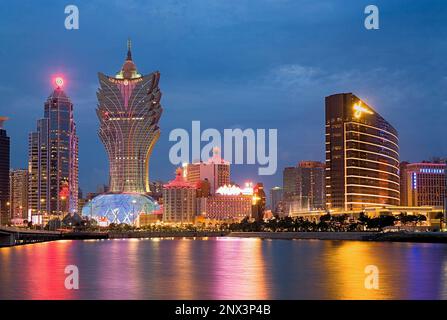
129	110
229	203
4	174
216	170
53	160
18	194
179	200
259	202
119	208
423	184
362	156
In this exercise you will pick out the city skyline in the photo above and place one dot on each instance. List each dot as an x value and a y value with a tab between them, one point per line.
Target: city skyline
295	83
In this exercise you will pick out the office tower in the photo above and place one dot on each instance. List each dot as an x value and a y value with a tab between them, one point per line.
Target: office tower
304	187
276	197
18	195
4	174
216	170
53	160
311	184
362	155
179	200
290	185
423	184
129	110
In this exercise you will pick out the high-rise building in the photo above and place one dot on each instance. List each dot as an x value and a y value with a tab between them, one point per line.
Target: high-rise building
362	155
290	182
18	194
179	200
53	160
129	110
422	184
216	170
276	196
304	187
259	201
4	174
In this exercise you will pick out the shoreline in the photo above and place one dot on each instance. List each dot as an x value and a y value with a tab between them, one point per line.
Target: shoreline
411	237
416	237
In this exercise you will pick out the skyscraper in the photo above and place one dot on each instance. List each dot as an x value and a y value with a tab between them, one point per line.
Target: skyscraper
129	110
216	170
304	187
4	174
362	155
276	196
18	195
423	184
53	160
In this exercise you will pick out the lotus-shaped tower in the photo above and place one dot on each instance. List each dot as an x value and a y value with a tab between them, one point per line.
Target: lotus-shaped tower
129	110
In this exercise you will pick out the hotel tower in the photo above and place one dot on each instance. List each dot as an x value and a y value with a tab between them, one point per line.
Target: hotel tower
53	160
129	110
362	156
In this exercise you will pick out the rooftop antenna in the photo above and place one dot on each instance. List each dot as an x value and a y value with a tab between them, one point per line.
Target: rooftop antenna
129	47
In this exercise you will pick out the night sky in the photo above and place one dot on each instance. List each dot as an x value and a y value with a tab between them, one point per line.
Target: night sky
231	64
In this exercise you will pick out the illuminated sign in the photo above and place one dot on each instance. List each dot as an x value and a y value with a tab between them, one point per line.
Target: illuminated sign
359	109
429	170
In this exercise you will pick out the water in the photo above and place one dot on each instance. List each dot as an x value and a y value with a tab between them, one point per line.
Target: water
223	268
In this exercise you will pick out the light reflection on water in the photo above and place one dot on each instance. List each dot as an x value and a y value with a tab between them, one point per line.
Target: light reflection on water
223	268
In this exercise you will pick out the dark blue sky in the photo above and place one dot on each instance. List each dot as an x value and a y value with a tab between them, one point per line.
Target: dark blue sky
248	64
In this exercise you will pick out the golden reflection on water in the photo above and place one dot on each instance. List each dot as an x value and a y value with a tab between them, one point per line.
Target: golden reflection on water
245	261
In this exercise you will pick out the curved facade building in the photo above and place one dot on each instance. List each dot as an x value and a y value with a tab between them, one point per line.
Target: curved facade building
129	110
362	156
119	208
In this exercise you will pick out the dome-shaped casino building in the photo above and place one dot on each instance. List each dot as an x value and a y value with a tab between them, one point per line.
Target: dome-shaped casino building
128	110
119	208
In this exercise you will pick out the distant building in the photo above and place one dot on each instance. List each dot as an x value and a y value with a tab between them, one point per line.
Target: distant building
53	160
4	174
179	200
259	202
304	187
423	184
18	195
290	182
362	156
276	196
216	170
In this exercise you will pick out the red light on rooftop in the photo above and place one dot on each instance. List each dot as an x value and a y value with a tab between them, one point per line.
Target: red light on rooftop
59	81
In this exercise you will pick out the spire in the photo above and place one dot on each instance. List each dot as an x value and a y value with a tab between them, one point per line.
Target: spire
129	47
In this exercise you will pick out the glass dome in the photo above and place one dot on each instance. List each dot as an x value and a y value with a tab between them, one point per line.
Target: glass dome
119	208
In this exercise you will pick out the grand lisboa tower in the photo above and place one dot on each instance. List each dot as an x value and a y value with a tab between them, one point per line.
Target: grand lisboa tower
129	111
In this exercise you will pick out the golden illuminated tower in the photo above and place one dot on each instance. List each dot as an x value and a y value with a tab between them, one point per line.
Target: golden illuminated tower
129	110
362	155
